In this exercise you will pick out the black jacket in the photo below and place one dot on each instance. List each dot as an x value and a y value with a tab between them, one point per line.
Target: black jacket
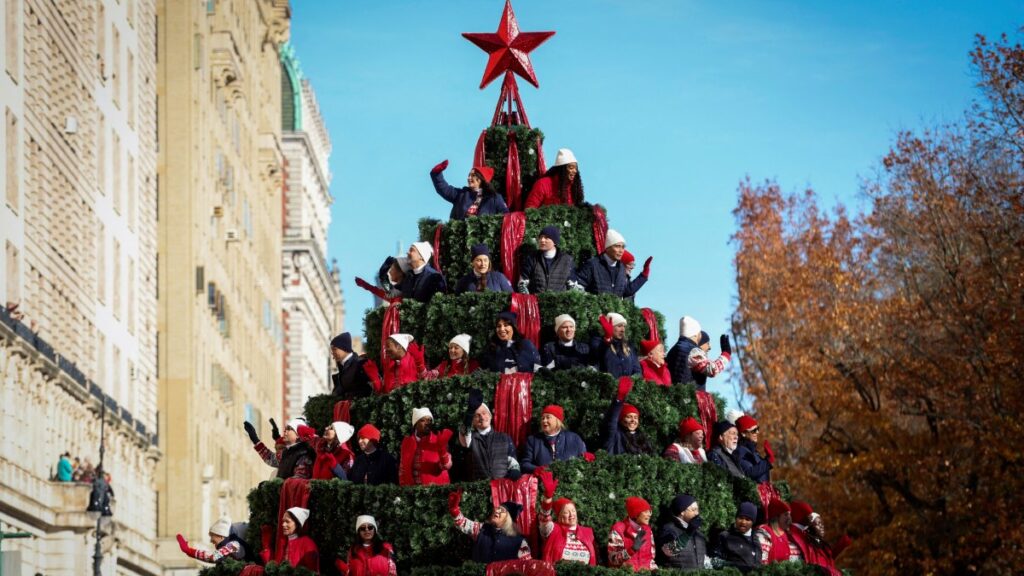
377	468
351	381
738	550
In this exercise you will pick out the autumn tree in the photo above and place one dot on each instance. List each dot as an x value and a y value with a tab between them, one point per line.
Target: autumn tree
883	351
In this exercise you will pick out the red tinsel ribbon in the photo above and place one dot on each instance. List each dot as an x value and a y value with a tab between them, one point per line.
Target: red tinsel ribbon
513	407
252	570
542	166
523	492
437	248
513	180
390	325
527	316
375	290
294	492
480	152
768	492
708	415
652	324
513	230
600	228
532	567
343	411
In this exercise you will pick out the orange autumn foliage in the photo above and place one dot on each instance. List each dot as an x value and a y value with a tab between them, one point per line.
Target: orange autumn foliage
884	351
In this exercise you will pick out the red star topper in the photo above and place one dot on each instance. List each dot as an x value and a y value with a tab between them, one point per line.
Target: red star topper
509	48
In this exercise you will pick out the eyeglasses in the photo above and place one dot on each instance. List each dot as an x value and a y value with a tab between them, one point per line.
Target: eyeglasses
367	528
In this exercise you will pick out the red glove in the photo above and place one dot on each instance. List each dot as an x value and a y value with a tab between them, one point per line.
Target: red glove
625	386
547	481
183	544
454	499
606	324
440	167
647	267
330	460
373	373
768	451
588	456
842	544
416	351
341	566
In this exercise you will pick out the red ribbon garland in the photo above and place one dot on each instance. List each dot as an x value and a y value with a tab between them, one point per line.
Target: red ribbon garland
600	226
542	166
294	492
513	406
768	492
708	415
513	230
652	324
480	152
513	177
343	411
437	249
527	316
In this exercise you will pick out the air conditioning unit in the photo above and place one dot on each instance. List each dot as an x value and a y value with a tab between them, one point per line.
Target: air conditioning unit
231	235
218	211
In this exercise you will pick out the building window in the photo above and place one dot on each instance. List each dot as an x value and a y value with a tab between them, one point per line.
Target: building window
13	266
101	41
101	264
130	88
115	72
117	280
12	34
132	191
115	188
131	297
101	154
11	151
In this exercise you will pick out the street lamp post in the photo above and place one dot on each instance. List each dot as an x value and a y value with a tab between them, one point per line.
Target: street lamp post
99	498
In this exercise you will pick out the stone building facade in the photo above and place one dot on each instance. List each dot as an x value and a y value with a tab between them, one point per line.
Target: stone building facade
221	178
79	315
313	307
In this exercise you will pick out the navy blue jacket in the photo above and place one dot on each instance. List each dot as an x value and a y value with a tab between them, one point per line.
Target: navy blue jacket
568	445
424	285
522	354
462	199
377	468
617	440
565	357
599	277
755	467
678	361
612	360
496	282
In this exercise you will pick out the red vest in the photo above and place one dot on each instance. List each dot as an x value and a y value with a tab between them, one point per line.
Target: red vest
555	544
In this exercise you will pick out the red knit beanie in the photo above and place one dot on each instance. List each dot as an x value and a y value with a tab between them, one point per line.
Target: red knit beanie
646	346
305	432
370	432
560	504
801	511
777	508
486	171
555	411
688	426
628	409
627	257
744	423
635	506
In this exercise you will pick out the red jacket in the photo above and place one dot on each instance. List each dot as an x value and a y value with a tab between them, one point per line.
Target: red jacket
363	562
821	555
545	193
429	456
642	559
398	373
448	368
322	468
299	551
655	374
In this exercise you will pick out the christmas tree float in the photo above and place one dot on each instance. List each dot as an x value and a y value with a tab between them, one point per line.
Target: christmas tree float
415	520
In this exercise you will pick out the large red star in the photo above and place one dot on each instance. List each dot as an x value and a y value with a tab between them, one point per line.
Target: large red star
509	48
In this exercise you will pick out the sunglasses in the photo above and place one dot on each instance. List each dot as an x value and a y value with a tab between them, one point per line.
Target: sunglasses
752	431
367	528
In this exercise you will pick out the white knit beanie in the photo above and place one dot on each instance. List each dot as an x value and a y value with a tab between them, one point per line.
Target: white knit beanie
564	156
403	340
366	519
615	318
689	327
612	238
295	423
420	413
221	527
562	319
425	250
343	430
462	341
732	415
301	514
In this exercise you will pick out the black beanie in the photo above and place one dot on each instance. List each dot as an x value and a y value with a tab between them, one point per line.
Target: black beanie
681	502
343	342
552	232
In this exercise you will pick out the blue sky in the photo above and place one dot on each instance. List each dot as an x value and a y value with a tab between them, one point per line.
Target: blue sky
667	105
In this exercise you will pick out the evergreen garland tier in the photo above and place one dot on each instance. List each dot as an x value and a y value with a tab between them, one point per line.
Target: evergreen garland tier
496	152
584	395
458	236
474	313
579	569
416	520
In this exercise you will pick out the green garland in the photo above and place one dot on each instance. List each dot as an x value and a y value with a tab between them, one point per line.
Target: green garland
459	236
230	567
583	394
496	146
475	313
